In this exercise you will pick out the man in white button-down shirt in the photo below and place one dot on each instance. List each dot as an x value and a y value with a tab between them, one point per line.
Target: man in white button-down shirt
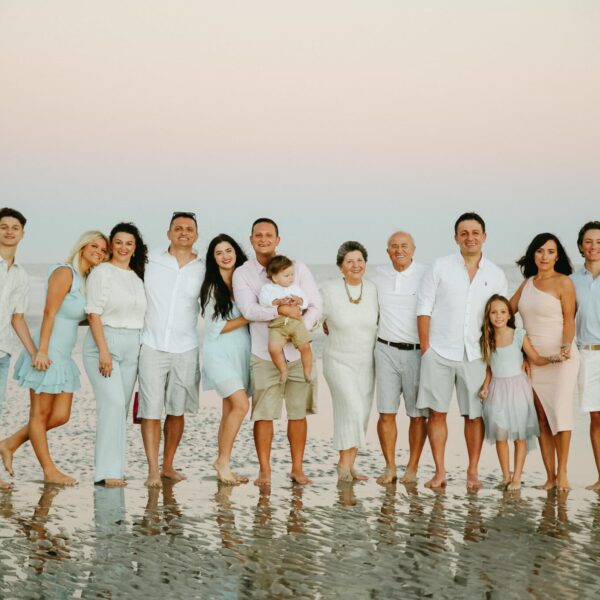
450	309
397	355
14	289
169	374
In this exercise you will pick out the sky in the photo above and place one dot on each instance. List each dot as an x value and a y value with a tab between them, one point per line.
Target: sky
340	119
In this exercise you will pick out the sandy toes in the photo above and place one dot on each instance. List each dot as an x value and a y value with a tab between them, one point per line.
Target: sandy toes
437	482
595	487
300	478
225	475
7	458
115	483
153	481
172	474
263	479
59	478
388	476
409	477
4	485
549	485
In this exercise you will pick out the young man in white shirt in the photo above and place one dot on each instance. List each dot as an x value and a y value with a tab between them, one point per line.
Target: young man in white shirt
169	372
450	308
397	355
14	290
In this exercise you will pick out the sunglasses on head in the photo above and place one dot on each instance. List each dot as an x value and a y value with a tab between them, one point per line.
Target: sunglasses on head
187	215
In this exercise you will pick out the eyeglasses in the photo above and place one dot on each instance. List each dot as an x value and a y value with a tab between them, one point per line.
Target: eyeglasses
186	215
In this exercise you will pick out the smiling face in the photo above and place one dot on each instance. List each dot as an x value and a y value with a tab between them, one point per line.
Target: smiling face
499	314
225	256
353	267
264	240
545	256
590	246
122	247
470	237
401	249
93	254
183	233
11	231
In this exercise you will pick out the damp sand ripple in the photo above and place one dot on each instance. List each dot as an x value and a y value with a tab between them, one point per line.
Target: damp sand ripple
197	539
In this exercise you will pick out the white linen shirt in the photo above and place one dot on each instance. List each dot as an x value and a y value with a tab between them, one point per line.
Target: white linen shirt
397	295
14	291
173	296
117	295
273	291
456	304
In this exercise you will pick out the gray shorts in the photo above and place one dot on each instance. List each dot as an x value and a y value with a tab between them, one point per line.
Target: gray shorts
397	373
169	380
439	376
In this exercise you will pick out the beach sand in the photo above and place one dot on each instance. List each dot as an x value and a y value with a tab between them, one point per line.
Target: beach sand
197	539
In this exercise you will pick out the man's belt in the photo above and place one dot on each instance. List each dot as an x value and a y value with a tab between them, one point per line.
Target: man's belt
400	345
589	347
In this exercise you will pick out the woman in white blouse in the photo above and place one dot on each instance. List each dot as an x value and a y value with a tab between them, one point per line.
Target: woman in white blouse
115	305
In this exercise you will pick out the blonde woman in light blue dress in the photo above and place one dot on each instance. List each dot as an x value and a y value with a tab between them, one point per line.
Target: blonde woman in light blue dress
226	349
51	375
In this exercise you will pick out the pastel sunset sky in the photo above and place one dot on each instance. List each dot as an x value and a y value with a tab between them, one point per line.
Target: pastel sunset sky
340	119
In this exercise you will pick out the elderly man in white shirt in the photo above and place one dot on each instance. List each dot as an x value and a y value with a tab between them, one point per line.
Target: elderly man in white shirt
397	355
450	310
169	373
14	289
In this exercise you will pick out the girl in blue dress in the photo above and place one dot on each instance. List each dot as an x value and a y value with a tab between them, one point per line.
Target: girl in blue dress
51	374
226	350
507	395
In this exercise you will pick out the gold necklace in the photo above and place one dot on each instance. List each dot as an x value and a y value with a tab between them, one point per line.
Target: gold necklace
350	298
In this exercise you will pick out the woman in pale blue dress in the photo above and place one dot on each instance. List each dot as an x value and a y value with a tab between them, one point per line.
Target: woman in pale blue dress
226	351
51	374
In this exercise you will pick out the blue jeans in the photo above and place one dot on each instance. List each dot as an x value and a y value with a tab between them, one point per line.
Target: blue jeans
4	361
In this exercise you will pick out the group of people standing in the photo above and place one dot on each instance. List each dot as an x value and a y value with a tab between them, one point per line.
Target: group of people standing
418	333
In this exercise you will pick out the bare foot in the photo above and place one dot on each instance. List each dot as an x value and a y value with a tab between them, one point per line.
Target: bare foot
7	458
58	478
4	485
389	476
549	485
408	477
562	484
473	482
344	474
595	487
115	483
356	476
437	482
506	479
264	478
513	486
172	474
153	481
240	478
225	474
300	478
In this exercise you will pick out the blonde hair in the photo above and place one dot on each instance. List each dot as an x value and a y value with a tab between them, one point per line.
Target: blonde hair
487	341
84	239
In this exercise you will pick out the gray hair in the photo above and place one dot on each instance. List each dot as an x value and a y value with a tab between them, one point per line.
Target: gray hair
347	247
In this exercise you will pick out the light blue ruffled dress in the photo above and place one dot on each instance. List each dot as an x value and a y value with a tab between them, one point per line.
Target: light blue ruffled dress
225	356
508	410
62	375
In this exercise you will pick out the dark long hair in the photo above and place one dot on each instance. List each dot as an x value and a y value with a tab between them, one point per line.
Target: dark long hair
527	262
213	284
139	258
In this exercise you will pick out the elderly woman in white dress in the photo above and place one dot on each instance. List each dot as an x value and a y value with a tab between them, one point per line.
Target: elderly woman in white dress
350	312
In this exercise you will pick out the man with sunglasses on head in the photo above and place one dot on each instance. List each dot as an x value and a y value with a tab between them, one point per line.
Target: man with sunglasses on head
169	373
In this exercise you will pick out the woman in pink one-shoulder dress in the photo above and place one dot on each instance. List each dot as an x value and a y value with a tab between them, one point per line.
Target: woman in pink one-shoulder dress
546	301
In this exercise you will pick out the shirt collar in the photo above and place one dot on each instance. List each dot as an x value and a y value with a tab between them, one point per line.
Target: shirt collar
162	255
15	263
257	265
461	260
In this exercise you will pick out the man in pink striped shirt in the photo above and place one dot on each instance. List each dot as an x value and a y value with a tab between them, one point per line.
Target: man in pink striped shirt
268	393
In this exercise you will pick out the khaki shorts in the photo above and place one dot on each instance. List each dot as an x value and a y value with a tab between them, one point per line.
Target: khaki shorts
439	377
168	380
268	394
282	329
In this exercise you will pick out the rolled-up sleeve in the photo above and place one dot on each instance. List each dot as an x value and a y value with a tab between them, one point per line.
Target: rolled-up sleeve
247	301
306	282
426	294
97	289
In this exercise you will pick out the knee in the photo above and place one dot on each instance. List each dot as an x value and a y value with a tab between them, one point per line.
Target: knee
60	419
437	417
387	418
595	419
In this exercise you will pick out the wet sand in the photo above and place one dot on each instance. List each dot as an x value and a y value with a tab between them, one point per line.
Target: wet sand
197	539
